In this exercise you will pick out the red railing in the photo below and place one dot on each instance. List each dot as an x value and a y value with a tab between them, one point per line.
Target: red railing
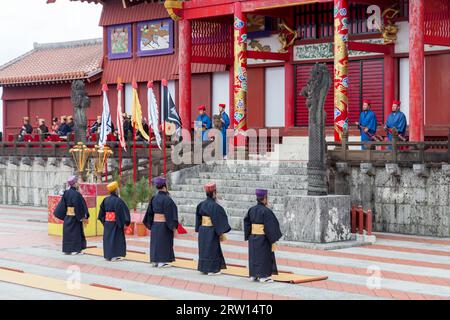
361	220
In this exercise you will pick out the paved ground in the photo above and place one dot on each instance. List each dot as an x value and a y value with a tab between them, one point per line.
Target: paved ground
396	267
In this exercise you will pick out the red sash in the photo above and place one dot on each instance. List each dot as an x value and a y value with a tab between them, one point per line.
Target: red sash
110	216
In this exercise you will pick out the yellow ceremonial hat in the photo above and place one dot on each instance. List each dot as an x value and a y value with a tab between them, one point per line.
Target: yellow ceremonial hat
113	186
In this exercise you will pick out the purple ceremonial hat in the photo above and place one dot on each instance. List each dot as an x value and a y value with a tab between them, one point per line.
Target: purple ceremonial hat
261	193
159	181
72	180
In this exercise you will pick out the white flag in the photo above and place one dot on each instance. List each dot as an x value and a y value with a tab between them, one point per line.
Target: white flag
106	126
153	115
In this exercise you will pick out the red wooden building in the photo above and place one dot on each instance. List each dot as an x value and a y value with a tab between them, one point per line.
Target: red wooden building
260	78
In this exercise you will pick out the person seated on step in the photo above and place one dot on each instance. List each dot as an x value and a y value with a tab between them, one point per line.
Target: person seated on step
72	209
211	223
114	215
262	230
161	219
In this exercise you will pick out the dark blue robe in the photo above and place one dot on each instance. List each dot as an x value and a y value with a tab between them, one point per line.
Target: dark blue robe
211	258
161	236
114	243
73	231
367	119
262	262
396	120
206	121
225	125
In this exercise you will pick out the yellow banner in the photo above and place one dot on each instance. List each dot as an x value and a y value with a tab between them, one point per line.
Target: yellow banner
136	115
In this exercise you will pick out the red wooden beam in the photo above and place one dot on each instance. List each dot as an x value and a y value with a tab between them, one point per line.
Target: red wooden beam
370	47
210	60
437	41
267	55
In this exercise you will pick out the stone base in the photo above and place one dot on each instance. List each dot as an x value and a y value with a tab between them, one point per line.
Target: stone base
317	219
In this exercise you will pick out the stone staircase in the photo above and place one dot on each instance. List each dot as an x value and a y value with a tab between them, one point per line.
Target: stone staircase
236	182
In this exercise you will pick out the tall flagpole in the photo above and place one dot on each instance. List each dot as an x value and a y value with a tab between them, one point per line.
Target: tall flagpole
150	160
166	102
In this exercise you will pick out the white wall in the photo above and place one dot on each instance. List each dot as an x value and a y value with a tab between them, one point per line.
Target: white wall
220	91
402	44
274	97
404	86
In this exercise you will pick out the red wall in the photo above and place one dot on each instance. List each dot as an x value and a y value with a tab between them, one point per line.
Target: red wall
45	101
437	92
255	98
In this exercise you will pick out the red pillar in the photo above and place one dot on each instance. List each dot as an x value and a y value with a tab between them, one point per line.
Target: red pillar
341	83
231	96
184	62
416	70
389	84
289	94
240	74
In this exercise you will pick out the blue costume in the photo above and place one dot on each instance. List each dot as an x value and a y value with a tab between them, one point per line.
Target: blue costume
396	120
367	119
206	124
225	125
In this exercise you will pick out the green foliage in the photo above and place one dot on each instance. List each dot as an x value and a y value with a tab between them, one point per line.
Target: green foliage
133	194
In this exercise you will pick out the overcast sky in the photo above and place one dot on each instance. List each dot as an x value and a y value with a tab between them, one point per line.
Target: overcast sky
23	22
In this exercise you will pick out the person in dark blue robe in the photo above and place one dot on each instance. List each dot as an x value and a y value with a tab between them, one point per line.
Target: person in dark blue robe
225	124
161	219
114	215
205	120
262	230
397	120
211	223
367	123
73	210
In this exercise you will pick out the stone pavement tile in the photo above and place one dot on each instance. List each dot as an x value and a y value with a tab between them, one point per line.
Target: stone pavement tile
235	293
264	296
411	239
142	277
193	286
180	284
220	291
409	250
166	281
155	279
415	296
249	295
399	295
206	288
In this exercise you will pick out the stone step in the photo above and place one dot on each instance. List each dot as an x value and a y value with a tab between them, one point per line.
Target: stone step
259	163
231	211
235	191
233	204
275	170
200	196
188	219
250	183
253	177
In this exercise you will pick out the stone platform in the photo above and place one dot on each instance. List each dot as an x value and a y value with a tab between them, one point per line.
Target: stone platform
318	219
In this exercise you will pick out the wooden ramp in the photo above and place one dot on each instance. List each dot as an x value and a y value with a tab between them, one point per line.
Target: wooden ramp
92	292
231	270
